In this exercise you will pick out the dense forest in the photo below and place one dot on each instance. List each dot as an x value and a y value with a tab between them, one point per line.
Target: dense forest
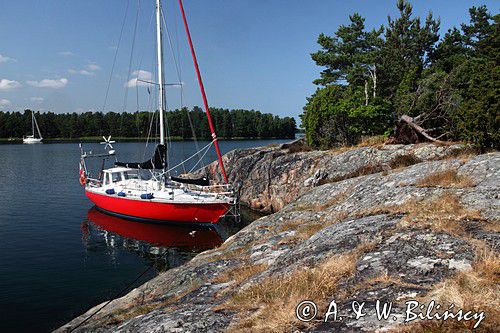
372	79
228	123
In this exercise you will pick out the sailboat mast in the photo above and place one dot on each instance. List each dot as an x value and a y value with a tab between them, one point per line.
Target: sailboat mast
33	122
204	96
161	97
37	128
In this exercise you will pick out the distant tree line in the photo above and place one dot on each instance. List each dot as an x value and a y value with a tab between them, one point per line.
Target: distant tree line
448	86
228	124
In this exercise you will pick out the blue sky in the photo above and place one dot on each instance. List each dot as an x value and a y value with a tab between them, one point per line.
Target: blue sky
56	55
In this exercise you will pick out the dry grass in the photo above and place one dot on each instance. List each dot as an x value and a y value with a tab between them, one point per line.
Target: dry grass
240	273
478	288
384	209
340	150
303	233
308	230
386	279
493	226
464	154
439	213
446	179
367	141
299	148
442	213
292	224
304	230
475	290
381	281
273	300
403	161
269	306
372	141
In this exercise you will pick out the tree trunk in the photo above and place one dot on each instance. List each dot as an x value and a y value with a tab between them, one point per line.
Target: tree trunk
374	81
407	132
366	92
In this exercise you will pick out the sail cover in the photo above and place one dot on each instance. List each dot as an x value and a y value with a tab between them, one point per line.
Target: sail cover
158	161
198	181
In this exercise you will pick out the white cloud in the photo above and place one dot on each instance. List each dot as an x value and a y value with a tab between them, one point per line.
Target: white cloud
139	75
37	99
8	84
85	72
49	83
4	102
89	71
94	67
6	59
65	53
81	72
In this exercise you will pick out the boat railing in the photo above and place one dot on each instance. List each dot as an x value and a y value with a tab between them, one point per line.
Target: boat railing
137	187
93	182
216	188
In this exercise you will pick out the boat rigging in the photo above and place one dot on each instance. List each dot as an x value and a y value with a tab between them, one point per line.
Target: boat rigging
147	190
31	138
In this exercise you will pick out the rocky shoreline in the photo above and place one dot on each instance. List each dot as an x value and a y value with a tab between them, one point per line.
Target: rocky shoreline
390	222
273	176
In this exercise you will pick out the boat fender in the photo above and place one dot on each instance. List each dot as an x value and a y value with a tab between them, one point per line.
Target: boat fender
122	194
83	179
110	191
83	175
147	196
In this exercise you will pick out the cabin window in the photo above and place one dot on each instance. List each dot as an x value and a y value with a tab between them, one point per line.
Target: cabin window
131	175
116	177
106	179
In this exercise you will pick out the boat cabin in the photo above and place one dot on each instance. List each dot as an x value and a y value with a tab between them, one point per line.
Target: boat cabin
115	175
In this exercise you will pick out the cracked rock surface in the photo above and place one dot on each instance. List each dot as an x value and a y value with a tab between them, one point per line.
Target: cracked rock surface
272	177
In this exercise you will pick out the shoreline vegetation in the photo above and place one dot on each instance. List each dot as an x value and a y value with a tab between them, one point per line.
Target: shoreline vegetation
90	139
183	124
408	80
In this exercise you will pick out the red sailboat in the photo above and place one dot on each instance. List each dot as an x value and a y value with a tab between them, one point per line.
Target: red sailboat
146	190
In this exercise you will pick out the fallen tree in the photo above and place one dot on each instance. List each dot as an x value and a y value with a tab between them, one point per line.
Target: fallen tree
407	131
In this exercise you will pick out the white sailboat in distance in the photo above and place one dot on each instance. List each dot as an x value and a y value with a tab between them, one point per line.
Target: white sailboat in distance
31	138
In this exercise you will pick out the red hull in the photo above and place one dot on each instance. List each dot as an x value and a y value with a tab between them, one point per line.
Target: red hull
145	209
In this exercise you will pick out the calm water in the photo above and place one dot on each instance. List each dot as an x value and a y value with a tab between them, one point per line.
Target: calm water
58	256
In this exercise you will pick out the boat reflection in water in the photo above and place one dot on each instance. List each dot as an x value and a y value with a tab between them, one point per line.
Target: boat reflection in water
167	245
